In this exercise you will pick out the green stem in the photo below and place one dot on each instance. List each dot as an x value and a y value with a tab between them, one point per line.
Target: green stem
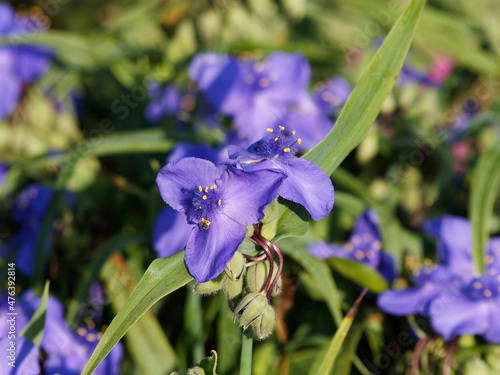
246	352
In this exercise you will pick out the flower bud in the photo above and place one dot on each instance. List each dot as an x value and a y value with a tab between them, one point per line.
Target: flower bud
257	275
263	326
233	288
251	307
234	269
212	286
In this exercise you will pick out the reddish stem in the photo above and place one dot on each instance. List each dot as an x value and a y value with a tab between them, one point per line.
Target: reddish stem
258	239
278	273
449	356
415	365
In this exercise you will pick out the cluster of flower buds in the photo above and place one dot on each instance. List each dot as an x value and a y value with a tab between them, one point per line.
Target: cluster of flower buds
250	300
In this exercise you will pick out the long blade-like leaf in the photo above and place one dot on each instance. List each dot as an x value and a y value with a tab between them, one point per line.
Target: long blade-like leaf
34	329
162	277
484	191
367	98
325	366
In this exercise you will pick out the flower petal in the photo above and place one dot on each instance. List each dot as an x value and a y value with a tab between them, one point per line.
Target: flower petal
246	194
460	316
493	332
209	250
171	232
323	250
218	77
454	240
179	177
26	357
309	186
407	301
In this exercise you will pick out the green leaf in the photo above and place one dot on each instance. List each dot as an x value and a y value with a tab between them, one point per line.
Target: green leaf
146	342
162	277
345	358
367	98
484	192
319	271
207	364
324	366
293	220
360	274
34	330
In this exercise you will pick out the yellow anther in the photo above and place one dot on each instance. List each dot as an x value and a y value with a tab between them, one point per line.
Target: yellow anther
200	188
205	224
275	139
219	202
206	190
299	141
293	132
204	197
269	130
286	149
212	187
282	127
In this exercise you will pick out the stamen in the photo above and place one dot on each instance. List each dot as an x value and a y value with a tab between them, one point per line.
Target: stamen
200	188
275	139
286	149
282	127
204	197
299	141
269	130
206	190
219	202
293	132
205	224
487	293
212	187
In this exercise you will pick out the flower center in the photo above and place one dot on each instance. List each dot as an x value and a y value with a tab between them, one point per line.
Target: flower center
205	201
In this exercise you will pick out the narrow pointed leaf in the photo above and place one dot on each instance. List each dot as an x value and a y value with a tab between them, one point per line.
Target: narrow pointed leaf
484	192
162	277
325	366
360	274
34	330
367	98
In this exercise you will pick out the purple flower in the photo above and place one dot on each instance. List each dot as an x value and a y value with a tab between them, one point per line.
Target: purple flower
29	210
19	64
67	351
165	101
306	183
332	94
456	301
171	231
217	206
364	246
24	358
307	117
255	93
